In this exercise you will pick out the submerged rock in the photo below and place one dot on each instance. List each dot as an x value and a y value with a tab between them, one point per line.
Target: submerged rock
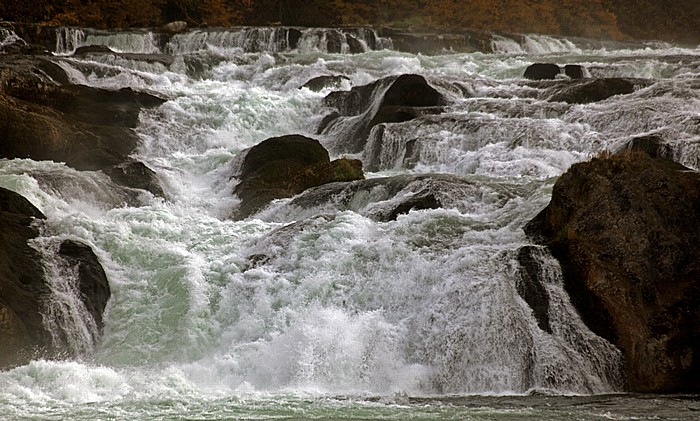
591	90
24	288
392	99
626	230
281	167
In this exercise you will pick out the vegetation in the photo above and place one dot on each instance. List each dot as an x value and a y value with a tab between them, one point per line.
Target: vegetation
673	20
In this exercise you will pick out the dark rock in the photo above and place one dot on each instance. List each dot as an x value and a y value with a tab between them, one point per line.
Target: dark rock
626	230
135	174
355	46
23	286
574	71
334	41
285	166
591	90
320	83
542	71
92	49
393	99
652	145
293	37
87	128
422	200
530	286
93	283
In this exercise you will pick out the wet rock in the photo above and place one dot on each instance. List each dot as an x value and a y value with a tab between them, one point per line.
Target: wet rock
93	283
542	71
92	49
392	99
591	90
652	145
626	230
320	83
574	71
87	128
285	166
23	287
355	46
531	288
135	174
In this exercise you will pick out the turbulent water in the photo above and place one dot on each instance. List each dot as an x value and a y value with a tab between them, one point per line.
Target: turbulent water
347	318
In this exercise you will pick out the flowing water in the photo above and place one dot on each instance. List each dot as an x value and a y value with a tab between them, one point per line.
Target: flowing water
346	317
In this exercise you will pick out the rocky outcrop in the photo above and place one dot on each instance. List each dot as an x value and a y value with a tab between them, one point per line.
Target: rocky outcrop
389	100
285	166
626	230
44	118
24	288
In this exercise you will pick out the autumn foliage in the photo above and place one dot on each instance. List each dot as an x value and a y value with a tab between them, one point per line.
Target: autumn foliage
674	20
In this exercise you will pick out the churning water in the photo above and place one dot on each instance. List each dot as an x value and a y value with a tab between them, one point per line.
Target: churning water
346	317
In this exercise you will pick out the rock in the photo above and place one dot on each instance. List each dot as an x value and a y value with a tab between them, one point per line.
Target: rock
392	99
93	285
135	174
542	71
574	71
23	287
652	145
320	83
530	287
591	90
285	166
175	27
87	128
626	230
92	49
334	41
355	46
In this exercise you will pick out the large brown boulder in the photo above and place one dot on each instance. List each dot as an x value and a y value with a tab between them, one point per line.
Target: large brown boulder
284	166
626	230
85	127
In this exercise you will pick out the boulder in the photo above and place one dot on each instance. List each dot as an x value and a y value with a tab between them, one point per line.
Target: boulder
542	71
284	166
392	99
574	71
320	83
626	230
24	288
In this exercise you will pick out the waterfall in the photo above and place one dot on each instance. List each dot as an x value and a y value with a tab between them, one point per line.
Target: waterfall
72	327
